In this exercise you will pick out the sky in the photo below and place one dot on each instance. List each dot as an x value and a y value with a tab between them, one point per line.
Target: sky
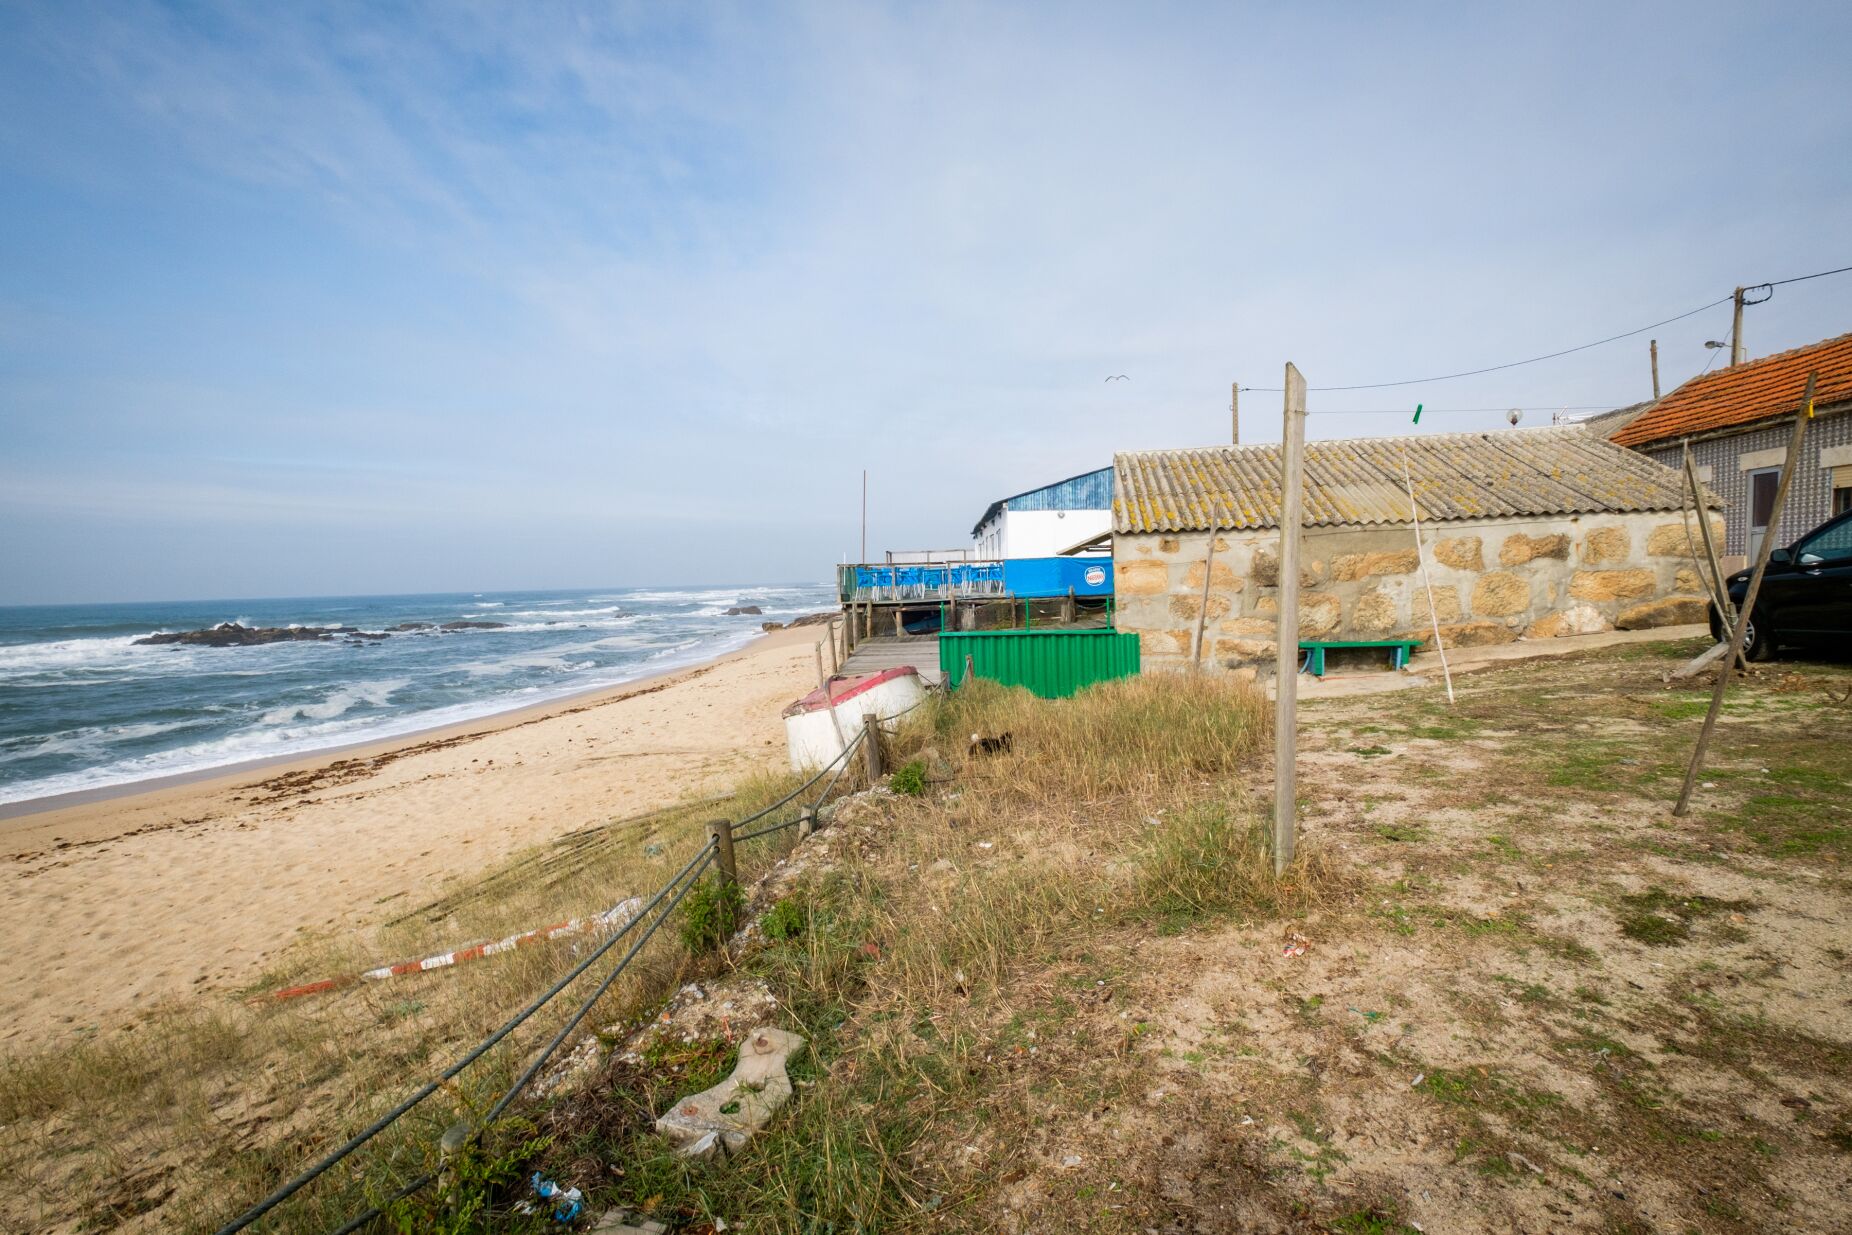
311	299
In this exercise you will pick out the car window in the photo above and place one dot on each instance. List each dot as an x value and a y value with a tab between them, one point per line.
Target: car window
1831	544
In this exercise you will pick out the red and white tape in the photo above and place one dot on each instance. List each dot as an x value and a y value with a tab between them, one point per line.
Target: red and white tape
610	920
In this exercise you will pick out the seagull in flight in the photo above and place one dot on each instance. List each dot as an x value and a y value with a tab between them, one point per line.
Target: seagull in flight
1119	378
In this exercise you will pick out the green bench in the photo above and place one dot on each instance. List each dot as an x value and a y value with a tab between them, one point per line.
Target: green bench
1399	651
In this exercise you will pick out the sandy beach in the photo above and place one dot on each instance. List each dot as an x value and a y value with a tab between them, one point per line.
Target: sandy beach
114	905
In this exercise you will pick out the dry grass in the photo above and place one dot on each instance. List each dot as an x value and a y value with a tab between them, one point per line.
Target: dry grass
198	1109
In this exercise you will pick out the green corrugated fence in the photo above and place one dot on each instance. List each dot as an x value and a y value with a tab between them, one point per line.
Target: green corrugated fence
1052	663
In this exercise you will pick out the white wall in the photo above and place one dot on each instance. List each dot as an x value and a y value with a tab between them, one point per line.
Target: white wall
1039	533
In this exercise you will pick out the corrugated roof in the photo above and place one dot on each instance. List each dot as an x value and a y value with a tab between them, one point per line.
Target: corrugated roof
1749	393
1087	491
1509	473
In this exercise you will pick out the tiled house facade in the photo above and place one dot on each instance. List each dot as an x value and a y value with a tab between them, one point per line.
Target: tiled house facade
1739	421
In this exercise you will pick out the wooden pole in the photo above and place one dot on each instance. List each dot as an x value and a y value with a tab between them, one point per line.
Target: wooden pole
1234	413
823	679
1433	613
1202	612
1713	579
722	832
1736	330
1286	687
1802	415
871	746
864	516
835	664
1653	349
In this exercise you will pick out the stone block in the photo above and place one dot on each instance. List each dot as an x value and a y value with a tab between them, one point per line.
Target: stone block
1221	578
1319	615
1168	544
1153	643
1687	580
1266	570
732	1111
1245	649
1141	578
1446	606
1666	611
1251	627
1599	585
1519	548
1374	612
1460	552
1349	567
1606	544
1469	634
1670	540
1575	620
1184	606
1500	594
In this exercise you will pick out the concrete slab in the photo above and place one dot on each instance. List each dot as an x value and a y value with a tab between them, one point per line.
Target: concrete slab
725	1117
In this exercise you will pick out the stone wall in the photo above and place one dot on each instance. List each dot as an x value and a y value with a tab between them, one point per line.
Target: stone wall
1494	581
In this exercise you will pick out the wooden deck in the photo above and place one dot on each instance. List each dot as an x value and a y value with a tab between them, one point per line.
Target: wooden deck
874	655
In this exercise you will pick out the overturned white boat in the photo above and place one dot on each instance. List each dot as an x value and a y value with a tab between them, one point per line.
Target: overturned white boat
822	723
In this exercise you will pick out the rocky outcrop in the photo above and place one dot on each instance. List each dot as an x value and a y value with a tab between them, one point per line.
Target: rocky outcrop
744	611
473	626
235	635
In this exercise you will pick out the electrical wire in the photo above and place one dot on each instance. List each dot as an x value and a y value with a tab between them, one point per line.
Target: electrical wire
1567	351
1802	278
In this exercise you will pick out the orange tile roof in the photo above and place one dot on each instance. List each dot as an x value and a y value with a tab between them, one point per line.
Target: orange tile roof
1748	393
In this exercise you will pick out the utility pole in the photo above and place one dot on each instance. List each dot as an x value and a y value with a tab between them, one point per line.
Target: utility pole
1286	664
1736	330
1234	413
1654	346
864	557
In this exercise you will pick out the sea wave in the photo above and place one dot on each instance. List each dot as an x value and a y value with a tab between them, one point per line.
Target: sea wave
337	702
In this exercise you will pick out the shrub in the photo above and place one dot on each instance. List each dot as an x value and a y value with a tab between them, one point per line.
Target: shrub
909	779
711	914
784	920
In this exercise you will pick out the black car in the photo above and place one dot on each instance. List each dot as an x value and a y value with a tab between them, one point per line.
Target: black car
1806	593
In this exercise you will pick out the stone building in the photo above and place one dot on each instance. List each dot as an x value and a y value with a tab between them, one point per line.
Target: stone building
1527	533
1738	422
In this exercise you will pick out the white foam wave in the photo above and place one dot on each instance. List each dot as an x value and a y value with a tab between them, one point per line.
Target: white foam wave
337	702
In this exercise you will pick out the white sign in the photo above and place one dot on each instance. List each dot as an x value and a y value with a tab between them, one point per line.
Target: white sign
1095	576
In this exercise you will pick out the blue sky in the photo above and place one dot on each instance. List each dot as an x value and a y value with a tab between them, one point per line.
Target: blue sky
301	299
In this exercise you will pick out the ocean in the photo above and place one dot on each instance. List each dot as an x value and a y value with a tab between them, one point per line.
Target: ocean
83	706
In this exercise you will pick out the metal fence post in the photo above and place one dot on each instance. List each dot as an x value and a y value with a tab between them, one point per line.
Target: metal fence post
722	833
871	746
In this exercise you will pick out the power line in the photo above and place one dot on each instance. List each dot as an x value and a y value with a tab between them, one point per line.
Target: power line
1802	278
1457	411
1447	377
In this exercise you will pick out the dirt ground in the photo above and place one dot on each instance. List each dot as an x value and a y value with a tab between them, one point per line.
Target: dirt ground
1553	1007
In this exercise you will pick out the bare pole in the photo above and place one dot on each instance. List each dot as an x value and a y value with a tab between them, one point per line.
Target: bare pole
1234	413
1286	671
1414	513
1736	330
1713	578
1202	612
1653	348
1802	415
864	514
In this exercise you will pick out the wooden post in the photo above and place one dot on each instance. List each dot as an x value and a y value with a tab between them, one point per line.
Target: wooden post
1720	595
1067	613
970	669
871	746
722	832
1202	611
1234	413
835	664
1286	687
823	679
1802	415
1736	332
1415	514
899	629
1653	349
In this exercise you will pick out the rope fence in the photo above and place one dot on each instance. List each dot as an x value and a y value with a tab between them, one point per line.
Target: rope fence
716	851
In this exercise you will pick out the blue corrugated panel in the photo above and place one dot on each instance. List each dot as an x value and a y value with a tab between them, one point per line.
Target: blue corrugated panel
1053	576
1087	491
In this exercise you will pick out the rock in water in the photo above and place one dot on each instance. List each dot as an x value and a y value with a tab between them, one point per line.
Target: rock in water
234	635
472	626
744	611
